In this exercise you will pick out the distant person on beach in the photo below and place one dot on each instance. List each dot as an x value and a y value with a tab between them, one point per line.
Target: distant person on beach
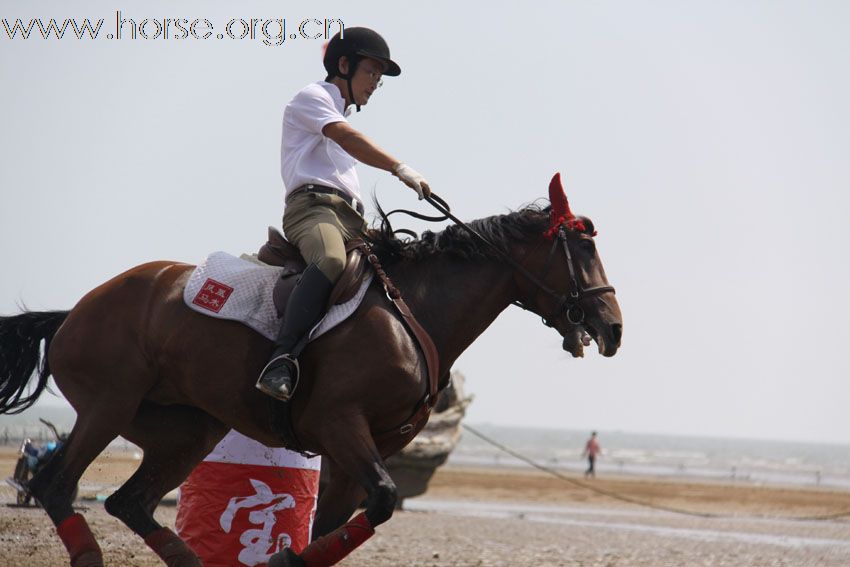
591	450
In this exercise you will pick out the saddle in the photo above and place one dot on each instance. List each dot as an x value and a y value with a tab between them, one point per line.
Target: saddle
278	251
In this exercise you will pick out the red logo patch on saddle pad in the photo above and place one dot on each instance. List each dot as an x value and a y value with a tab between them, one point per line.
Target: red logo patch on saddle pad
212	295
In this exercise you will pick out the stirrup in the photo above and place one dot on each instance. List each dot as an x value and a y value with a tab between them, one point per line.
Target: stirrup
288	358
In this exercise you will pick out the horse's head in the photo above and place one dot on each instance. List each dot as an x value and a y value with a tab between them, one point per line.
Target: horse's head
572	293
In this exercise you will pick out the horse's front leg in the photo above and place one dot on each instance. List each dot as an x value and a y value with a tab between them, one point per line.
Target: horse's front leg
354	453
339	499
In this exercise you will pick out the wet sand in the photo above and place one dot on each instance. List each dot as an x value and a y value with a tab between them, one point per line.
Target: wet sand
700	497
487	517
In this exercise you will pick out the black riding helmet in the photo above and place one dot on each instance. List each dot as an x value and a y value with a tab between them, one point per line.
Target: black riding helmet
357	43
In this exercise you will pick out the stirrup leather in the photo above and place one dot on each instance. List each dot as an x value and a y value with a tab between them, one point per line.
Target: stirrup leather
289	358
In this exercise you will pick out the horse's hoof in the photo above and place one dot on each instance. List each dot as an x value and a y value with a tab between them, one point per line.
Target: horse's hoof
184	560
286	558
88	559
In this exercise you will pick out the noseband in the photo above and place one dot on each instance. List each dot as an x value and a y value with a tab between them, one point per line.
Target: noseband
569	306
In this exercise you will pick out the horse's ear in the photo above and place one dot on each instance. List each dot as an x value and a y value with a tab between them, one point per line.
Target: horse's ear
560	206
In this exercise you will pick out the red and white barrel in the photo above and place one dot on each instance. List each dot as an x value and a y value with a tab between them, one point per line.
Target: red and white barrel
246	501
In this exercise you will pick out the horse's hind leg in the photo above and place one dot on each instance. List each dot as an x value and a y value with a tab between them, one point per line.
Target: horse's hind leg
97	425
174	440
353	450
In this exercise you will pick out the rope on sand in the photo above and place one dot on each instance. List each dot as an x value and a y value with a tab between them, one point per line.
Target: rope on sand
630	500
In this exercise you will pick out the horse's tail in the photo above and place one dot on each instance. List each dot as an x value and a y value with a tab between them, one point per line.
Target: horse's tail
20	337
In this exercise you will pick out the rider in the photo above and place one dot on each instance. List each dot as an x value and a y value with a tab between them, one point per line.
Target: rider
324	208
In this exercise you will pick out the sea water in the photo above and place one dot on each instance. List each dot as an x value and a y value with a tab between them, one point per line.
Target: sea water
739	460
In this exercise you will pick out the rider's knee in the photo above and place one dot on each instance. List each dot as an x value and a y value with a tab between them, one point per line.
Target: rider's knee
332	267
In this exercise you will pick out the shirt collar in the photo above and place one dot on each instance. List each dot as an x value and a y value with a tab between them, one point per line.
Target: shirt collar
339	101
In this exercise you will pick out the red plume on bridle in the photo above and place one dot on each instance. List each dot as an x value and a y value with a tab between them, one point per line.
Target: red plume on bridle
561	213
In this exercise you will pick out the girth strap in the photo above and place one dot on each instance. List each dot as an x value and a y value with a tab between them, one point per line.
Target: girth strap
399	436
417	420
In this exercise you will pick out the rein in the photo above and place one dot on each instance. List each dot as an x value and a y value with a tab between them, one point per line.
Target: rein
569	306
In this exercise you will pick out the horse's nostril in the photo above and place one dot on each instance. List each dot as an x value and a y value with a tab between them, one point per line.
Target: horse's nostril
617	330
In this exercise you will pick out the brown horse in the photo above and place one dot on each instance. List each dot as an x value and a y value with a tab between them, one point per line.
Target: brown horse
134	361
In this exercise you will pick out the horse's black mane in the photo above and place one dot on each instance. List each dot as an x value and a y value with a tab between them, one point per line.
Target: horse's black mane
523	225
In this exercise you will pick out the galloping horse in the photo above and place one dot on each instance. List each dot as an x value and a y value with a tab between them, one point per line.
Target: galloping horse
134	361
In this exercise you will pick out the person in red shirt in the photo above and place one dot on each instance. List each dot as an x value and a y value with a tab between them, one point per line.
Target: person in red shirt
591	450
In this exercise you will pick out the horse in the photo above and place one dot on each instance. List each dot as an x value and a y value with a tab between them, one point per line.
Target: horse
134	361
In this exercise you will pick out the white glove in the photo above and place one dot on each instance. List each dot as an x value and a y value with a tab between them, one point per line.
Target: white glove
412	179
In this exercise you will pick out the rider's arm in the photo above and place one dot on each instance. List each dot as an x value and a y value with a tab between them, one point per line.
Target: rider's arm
364	150
359	146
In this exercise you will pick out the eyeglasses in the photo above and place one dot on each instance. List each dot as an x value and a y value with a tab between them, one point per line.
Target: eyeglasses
375	77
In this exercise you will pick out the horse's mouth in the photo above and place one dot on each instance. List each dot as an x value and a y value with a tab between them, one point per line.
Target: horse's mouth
576	337
573	341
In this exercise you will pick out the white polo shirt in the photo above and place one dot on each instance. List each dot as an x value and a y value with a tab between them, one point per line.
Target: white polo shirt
307	155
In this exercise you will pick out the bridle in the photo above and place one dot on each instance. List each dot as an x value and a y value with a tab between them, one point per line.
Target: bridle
566	305
569	306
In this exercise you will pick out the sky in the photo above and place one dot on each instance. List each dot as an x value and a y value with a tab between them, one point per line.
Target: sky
708	140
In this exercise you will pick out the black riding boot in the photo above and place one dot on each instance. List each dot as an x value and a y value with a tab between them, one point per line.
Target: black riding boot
306	305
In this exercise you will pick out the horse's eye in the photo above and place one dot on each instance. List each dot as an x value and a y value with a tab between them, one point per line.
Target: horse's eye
588	246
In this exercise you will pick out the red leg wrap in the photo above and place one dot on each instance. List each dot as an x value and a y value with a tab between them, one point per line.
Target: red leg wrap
79	541
332	548
172	549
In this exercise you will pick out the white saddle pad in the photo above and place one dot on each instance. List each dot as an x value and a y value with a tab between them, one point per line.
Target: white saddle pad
227	287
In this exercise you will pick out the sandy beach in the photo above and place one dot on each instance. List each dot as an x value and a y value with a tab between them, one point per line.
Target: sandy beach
493	517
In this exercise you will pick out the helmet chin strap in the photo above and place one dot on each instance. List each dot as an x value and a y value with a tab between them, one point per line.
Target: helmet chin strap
353	62
351	94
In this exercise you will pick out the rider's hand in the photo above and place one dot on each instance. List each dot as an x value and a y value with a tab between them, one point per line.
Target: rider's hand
412	179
